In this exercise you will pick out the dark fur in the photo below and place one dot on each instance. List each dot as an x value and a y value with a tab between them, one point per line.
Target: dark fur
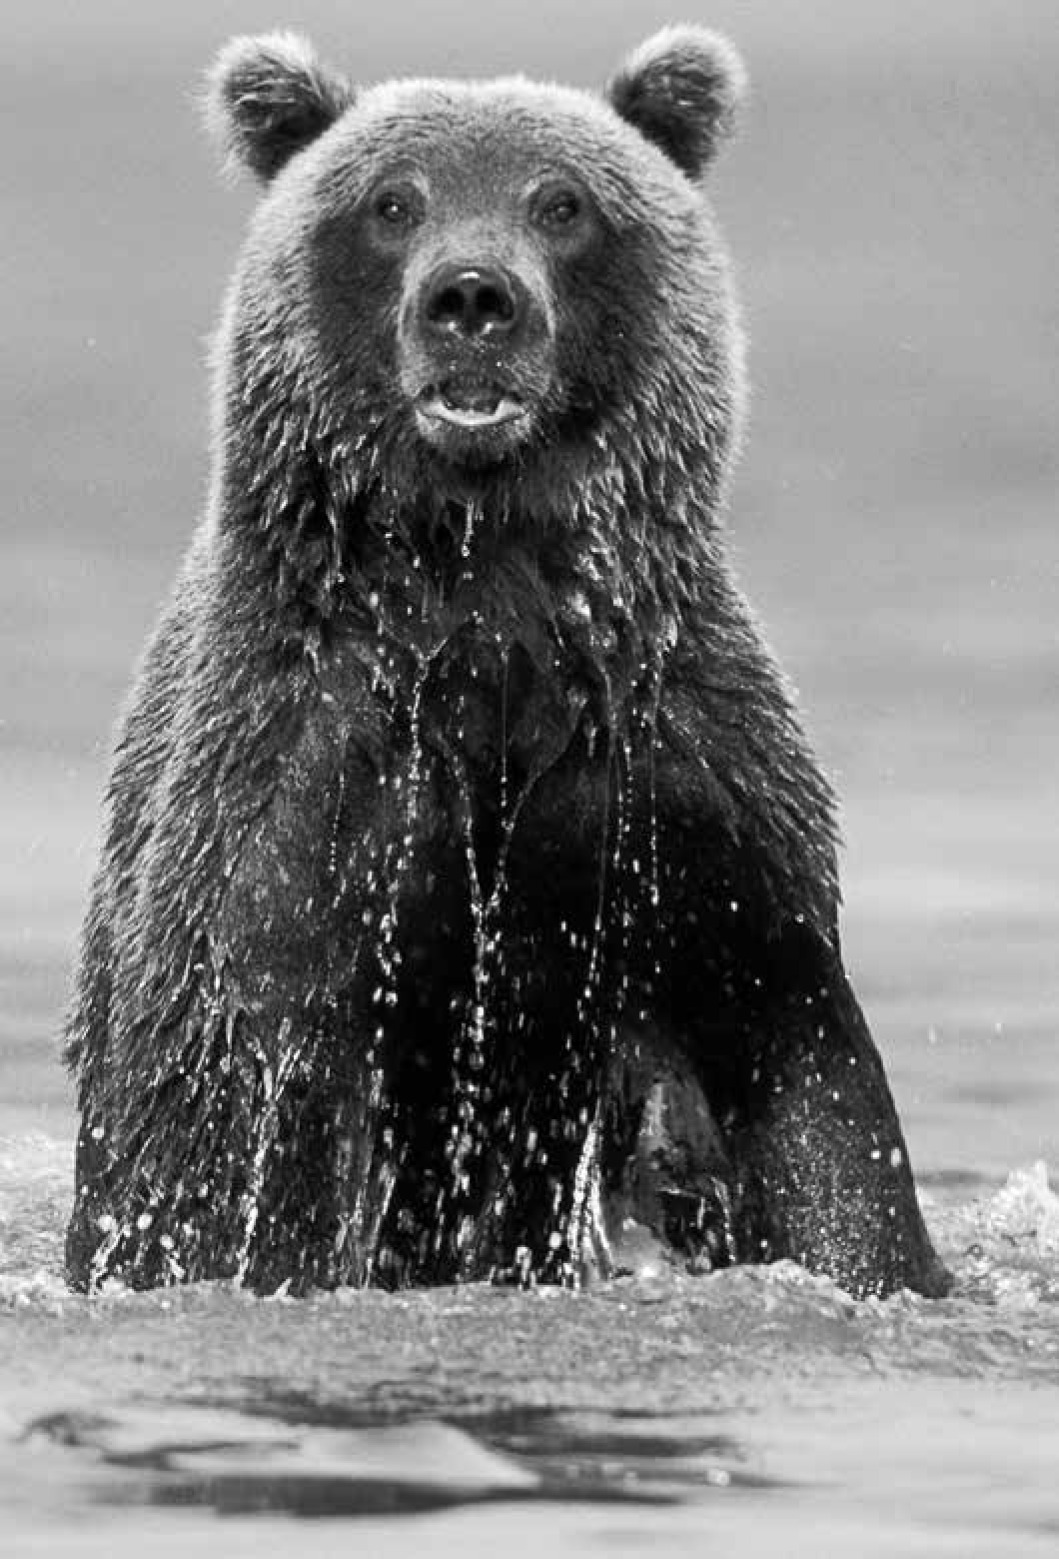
459	809
269	98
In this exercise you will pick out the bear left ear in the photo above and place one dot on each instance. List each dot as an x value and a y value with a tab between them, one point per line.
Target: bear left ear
681	89
269	97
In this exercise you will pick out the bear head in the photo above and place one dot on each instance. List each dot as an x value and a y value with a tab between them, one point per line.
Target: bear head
447	283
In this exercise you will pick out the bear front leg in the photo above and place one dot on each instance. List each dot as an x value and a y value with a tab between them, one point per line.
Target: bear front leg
821	1168
232	1112
255	1148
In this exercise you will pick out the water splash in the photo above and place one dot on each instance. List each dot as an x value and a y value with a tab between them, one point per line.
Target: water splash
1007	1245
587	1223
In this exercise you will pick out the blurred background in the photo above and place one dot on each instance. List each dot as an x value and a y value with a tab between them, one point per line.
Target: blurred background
893	208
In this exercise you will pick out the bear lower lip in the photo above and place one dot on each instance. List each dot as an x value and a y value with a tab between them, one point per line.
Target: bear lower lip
470	406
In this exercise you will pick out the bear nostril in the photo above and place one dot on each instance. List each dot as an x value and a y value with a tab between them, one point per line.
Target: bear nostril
472	302
495	304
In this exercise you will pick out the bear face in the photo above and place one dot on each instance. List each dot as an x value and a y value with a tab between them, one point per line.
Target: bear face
475	275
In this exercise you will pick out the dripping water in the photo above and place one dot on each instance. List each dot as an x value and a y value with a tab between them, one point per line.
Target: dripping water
273	1083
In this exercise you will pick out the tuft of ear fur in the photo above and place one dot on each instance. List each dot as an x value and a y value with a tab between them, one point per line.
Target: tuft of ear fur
268	97
681	89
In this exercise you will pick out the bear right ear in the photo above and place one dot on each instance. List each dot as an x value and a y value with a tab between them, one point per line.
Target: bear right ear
681	89
269	97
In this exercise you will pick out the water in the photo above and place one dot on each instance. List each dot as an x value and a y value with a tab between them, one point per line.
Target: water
760	1406
890	208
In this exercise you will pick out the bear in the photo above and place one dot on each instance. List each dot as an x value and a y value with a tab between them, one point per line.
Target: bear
468	884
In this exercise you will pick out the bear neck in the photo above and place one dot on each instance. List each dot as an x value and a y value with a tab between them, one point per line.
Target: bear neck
597	555
330	506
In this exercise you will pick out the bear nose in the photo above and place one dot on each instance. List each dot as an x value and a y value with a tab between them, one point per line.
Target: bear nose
472	301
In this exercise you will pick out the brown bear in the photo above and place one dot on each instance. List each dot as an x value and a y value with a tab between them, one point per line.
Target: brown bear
467	879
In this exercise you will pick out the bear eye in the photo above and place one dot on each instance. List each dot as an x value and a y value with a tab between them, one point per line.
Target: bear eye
559	209
395	209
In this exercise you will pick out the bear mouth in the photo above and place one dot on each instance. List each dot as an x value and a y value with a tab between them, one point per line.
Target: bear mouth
470	404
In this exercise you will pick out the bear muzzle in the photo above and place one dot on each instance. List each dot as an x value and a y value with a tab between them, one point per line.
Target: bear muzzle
477	355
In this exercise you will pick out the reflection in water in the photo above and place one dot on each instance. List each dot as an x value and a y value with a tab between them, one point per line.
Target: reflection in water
334	1462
